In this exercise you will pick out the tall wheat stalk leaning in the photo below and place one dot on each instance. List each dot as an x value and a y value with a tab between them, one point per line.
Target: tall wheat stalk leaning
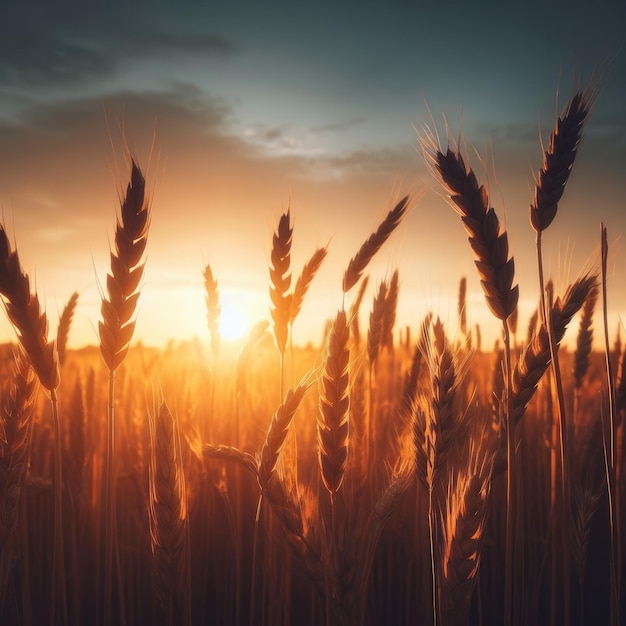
558	161
496	270
116	332
31	324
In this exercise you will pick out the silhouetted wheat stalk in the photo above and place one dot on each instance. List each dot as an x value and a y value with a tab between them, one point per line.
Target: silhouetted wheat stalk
372	245
463	533
333	439
16	410
584	344
168	515
610	458
116	332
558	161
310	269
437	426
332	423
496	270
534	359
374	340
65	321
31	325
280	280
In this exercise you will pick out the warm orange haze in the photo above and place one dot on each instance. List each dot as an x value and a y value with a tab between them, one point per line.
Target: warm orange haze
312	315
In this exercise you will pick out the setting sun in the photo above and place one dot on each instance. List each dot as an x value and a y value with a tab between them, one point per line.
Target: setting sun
233	322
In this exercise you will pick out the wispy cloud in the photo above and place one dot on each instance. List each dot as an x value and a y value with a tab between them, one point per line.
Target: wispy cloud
39	60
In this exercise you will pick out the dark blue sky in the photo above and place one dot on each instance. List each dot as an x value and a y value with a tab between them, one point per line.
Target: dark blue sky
237	109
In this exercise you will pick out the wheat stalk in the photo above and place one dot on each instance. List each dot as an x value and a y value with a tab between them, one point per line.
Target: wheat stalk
332	422
127	265
375	330
535	358
213	308
372	245
389	313
116	331
463	534
281	281
65	322
167	510
31	324
277	432
310	269
486	238
24	312
496	271
16	411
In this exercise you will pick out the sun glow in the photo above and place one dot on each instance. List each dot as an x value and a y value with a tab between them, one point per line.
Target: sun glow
233	322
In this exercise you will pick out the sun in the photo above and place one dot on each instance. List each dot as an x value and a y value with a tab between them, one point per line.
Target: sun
233	322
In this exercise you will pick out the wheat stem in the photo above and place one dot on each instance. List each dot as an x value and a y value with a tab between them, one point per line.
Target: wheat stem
610	446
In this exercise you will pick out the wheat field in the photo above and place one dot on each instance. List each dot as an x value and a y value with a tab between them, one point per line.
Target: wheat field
387	476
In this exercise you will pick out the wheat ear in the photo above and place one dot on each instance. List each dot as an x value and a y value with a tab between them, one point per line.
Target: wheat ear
127	265
372	245
277	433
535	358
390	312
24	312
65	322
463	534
375	330
486	238
558	159
332	423
213	308
310	269
281	281
16	411
167	510
496	270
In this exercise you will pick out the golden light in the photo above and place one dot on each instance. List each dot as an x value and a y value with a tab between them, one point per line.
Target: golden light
233	322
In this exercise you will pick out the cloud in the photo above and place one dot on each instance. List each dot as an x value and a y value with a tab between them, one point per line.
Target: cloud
39	59
56	160
339	127
34	54
159	42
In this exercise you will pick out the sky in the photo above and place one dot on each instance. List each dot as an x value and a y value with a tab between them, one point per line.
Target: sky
238	110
